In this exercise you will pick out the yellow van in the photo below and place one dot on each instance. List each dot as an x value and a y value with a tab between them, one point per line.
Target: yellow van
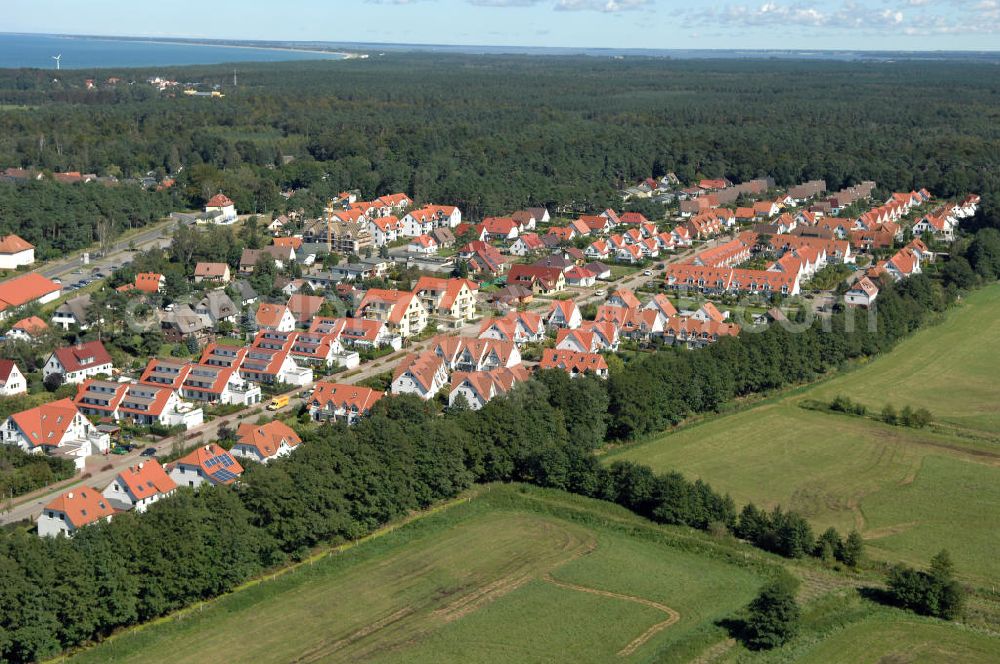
278	402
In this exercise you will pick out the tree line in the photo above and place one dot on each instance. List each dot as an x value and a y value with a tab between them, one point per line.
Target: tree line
496	133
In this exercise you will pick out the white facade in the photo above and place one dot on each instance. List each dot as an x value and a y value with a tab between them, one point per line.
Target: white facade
14	260
52	366
16	383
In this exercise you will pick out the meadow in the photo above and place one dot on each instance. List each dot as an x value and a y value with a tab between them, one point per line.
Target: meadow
909	492
489	580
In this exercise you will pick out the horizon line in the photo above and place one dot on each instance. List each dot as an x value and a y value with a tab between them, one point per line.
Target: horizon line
358	44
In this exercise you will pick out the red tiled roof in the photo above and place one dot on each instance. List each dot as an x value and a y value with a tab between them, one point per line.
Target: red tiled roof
12	244
146	479
572	361
267	438
82	505
24	289
350	397
46	424
31	325
219	200
82	356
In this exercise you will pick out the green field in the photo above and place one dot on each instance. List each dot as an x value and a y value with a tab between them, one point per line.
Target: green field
952	369
910	492
492	580
900	640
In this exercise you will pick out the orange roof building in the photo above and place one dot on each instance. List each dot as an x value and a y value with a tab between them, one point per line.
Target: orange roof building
73	510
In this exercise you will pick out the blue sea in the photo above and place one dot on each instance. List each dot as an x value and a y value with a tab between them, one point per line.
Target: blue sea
19	50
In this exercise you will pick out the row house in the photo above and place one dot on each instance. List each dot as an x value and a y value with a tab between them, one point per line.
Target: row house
221	385
729	254
477	388
731	280
696	333
564	314
465	354
574	363
335	402
385	230
138	403
269	365
360	333
519	327
422	375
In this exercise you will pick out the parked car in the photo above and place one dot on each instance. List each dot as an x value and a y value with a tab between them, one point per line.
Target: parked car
149	452
647	273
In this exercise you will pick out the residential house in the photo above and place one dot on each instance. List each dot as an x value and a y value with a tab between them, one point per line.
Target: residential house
244	293
217	384
183	323
27	329
574	363
139	486
527	244
600	270
422	244
79	362
541	280
56	428
216	273
477	388
304	308
452	298
862	293
218	308
501	228
25	289
15	252
520	327
220	210
580	277
265	442
72	510
696	333
422	374
209	464
357	332
341	403
12	381
564	313
401	311
276	317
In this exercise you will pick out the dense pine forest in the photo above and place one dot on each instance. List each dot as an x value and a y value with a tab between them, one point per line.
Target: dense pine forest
492	133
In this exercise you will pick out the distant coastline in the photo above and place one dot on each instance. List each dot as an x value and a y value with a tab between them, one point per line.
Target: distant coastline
179	41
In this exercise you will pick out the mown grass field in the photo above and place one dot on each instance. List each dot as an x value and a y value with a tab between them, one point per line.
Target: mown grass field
901	640
910	492
952	369
485	581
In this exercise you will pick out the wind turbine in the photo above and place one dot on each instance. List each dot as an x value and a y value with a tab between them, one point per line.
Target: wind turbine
58	59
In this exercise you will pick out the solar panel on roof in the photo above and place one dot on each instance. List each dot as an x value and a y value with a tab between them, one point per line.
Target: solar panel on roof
226	461
223	476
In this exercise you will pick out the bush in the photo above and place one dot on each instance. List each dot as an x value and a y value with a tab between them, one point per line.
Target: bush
933	593
774	615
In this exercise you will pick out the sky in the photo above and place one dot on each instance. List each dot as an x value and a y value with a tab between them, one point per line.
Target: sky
919	25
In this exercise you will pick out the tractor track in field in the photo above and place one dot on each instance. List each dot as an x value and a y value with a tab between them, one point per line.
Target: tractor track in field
633	645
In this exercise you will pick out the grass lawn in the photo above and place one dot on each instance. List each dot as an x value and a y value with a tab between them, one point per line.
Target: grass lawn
491	580
909	492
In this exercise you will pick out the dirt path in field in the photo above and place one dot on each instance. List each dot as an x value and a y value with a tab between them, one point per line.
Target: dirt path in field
715	652
636	643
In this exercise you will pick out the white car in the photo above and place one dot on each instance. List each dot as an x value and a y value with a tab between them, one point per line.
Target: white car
600	293
647	273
